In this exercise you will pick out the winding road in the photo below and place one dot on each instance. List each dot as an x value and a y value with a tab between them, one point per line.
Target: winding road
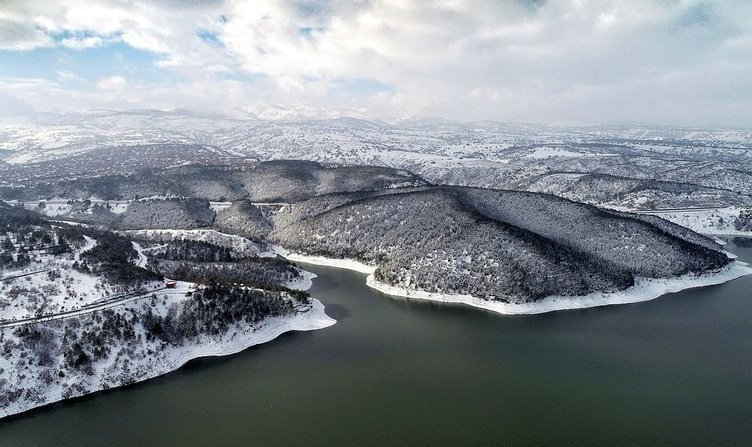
91	307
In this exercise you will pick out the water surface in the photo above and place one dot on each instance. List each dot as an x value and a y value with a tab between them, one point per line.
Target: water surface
676	370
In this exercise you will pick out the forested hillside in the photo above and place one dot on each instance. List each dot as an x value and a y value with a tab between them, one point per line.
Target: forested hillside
501	245
244	219
505	245
633	193
274	181
84	309
617	238
169	213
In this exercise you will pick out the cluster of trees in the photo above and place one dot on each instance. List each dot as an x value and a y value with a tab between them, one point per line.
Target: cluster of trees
11	217
64	352
244	219
153	213
206	263
495	244
42	342
171	213
295	180
212	311
10	258
196	251
84	345
112	257
256	272
275	181
744	221
745	242
633	244
645	194
20	238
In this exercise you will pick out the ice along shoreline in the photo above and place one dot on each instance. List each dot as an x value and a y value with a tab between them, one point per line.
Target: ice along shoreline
645	289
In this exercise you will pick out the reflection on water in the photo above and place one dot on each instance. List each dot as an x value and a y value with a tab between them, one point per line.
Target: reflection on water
338	312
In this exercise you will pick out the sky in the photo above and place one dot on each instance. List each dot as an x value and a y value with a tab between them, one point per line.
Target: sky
662	62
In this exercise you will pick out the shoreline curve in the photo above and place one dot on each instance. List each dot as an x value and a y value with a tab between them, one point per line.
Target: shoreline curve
645	289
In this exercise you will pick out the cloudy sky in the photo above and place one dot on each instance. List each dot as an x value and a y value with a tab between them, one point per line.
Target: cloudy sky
684	62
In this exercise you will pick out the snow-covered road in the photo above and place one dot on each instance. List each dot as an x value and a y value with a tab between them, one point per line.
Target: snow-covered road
90	243
92	307
142	259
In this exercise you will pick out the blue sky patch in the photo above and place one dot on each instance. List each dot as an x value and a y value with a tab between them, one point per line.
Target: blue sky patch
88	65
210	37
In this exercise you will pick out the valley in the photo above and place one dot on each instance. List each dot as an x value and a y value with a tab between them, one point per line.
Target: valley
368	223
124	260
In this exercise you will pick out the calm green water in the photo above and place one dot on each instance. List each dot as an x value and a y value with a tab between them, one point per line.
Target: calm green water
677	370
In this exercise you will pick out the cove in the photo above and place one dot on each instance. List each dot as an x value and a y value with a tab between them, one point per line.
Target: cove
675	370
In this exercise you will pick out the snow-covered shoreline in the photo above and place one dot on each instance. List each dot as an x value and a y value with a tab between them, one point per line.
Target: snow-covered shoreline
304	282
234	341
348	264
645	289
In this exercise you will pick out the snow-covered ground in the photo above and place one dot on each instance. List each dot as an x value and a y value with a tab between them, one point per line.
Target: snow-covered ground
90	243
551	152
113	302
304	282
238	244
219	206
719	221
58	288
348	264
55	298
150	359
645	289
142	259
57	207
72	223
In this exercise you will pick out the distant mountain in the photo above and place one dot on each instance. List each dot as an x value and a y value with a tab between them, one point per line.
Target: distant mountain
273	181
300	112
632	161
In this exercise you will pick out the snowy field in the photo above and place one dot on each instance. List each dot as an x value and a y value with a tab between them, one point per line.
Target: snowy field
55	286
61	207
553	152
715	221
238	244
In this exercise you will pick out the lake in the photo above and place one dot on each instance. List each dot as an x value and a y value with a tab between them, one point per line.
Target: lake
676	370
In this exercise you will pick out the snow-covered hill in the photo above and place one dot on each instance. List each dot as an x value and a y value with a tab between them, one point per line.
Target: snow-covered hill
485	154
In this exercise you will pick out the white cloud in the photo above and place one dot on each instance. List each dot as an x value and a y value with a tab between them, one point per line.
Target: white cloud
114	82
81	43
67	75
18	36
608	60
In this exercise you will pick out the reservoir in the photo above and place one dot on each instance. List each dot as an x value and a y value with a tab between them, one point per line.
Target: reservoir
673	371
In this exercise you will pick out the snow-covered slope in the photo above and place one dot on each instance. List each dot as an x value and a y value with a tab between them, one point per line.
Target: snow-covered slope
485	154
135	360
731	220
